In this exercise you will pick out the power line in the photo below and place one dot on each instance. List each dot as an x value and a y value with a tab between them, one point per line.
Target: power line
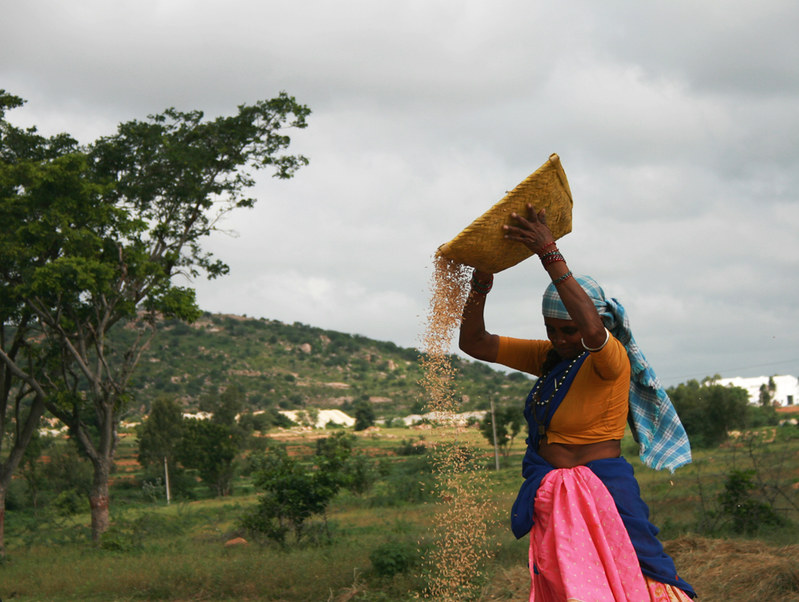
728	370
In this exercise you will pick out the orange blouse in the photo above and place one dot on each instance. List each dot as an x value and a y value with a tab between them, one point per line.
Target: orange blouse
595	406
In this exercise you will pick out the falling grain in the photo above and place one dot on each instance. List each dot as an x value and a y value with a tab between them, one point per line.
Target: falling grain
459	532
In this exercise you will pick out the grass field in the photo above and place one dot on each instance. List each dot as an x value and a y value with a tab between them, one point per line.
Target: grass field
156	551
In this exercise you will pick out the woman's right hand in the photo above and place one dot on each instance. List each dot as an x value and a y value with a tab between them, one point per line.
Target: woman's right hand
532	231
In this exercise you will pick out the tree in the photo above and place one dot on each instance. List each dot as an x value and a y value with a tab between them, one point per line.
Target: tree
509	423
31	166
292	493
100	234
159	436
32	470
767	391
210	449
230	404
364	414
709	411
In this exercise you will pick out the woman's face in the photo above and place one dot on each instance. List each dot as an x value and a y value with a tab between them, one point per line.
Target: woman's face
565	337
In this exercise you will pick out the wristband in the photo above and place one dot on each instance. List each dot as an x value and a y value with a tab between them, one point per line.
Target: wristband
546	246
563	278
551	257
481	288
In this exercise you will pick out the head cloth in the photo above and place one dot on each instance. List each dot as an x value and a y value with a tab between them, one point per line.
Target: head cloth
659	432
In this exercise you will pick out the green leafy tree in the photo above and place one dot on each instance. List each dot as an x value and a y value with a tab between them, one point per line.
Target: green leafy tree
159	436
229	405
767	391
99	234
33	470
509	423
364	414
292	492
31	167
211	449
69	478
709	411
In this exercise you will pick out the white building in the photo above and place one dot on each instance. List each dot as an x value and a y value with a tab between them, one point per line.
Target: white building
786	392
322	417
458	419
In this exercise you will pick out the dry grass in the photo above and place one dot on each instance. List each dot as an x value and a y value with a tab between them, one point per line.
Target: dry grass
719	569
741	570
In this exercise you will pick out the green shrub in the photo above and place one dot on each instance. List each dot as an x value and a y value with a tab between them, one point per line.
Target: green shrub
410	481
746	513
69	502
394	557
408	448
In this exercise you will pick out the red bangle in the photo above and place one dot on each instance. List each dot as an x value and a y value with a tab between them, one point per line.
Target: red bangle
549	244
551	257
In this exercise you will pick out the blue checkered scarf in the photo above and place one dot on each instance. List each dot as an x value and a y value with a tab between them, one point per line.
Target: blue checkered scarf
660	434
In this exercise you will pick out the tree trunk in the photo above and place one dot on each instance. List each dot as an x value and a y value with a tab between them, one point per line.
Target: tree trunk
99	499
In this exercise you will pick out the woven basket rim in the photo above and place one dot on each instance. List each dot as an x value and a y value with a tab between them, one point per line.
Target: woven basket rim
481	244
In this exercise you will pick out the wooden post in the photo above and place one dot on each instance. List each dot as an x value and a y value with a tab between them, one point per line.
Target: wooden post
166	479
494	431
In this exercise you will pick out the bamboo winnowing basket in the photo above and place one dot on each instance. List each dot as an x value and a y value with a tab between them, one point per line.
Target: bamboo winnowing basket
482	244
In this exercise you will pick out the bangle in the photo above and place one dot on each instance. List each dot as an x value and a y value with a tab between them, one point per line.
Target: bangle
551	257
563	278
607	338
481	288
549	244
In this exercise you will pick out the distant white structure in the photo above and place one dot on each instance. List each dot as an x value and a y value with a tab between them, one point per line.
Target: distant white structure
786	388
198	415
458	419
322	417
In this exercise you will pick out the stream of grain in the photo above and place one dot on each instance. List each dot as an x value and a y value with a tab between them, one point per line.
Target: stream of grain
459	533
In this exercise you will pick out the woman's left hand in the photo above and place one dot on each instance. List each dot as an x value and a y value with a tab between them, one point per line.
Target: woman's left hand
532	231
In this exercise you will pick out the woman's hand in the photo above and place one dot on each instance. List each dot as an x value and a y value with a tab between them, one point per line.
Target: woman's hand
532	231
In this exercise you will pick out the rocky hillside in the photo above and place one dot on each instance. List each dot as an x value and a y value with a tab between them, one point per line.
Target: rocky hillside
294	366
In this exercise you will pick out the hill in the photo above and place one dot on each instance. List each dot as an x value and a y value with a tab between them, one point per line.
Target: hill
296	366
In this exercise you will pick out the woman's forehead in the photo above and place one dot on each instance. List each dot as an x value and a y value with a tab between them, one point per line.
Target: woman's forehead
559	323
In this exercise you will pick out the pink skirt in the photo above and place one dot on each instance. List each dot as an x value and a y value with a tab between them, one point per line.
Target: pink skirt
580	549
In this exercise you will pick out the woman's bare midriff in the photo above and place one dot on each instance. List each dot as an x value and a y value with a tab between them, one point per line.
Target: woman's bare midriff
569	455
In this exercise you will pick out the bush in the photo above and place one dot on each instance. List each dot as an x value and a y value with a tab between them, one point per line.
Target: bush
69	503
393	557
408	448
738	505
410	481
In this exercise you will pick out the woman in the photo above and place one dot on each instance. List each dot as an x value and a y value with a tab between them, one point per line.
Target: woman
590	537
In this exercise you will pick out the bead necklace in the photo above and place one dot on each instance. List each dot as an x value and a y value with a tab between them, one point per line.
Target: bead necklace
544	403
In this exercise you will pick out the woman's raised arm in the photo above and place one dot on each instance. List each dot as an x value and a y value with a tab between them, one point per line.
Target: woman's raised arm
534	233
474	339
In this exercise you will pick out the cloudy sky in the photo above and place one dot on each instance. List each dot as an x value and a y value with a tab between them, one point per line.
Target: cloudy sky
677	124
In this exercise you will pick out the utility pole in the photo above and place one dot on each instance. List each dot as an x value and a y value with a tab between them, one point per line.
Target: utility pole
494	432
166	479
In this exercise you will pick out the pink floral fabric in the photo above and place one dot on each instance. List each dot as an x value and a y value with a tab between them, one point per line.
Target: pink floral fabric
579	548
